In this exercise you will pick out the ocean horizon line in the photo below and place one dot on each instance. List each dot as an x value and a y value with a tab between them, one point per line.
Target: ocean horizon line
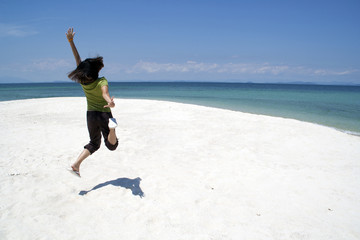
199	81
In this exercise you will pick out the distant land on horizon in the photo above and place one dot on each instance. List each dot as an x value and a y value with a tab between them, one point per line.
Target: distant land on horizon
12	80
24	81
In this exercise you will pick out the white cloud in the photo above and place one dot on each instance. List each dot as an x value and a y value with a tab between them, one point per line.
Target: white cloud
53	68
196	67
50	64
251	68
228	68
324	72
15	30
153	67
40	70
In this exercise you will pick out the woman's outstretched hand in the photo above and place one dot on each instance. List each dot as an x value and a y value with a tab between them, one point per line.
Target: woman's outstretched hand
110	104
70	34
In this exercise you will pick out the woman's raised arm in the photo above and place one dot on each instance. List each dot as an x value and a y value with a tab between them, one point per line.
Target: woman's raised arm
70	36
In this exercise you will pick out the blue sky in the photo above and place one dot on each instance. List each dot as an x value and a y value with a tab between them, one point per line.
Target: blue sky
186	40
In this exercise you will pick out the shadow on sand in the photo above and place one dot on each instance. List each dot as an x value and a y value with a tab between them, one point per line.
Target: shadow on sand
132	184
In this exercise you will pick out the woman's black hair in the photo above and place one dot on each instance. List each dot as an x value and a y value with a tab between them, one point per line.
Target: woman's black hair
87	71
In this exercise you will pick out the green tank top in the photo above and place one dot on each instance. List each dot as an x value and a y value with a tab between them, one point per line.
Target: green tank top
94	98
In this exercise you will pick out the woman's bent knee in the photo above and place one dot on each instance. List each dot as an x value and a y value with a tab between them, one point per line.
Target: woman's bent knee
92	147
110	146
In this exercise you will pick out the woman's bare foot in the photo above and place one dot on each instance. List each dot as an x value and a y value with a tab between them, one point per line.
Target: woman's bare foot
75	171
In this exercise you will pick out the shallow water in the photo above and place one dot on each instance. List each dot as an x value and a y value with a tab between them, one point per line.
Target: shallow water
333	106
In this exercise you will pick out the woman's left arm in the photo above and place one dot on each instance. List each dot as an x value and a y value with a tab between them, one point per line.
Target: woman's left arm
106	96
70	36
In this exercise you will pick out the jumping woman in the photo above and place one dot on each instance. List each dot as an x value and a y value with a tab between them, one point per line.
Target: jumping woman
99	104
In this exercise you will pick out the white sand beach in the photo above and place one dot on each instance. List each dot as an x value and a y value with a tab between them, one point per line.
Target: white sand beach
180	172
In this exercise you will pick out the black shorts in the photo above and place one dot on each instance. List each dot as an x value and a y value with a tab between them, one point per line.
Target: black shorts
97	123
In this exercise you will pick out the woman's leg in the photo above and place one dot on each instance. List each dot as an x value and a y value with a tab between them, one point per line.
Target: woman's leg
109	133
95	140
112	136
83	155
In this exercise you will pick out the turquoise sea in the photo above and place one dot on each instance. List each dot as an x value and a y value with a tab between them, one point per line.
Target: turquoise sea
333	106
